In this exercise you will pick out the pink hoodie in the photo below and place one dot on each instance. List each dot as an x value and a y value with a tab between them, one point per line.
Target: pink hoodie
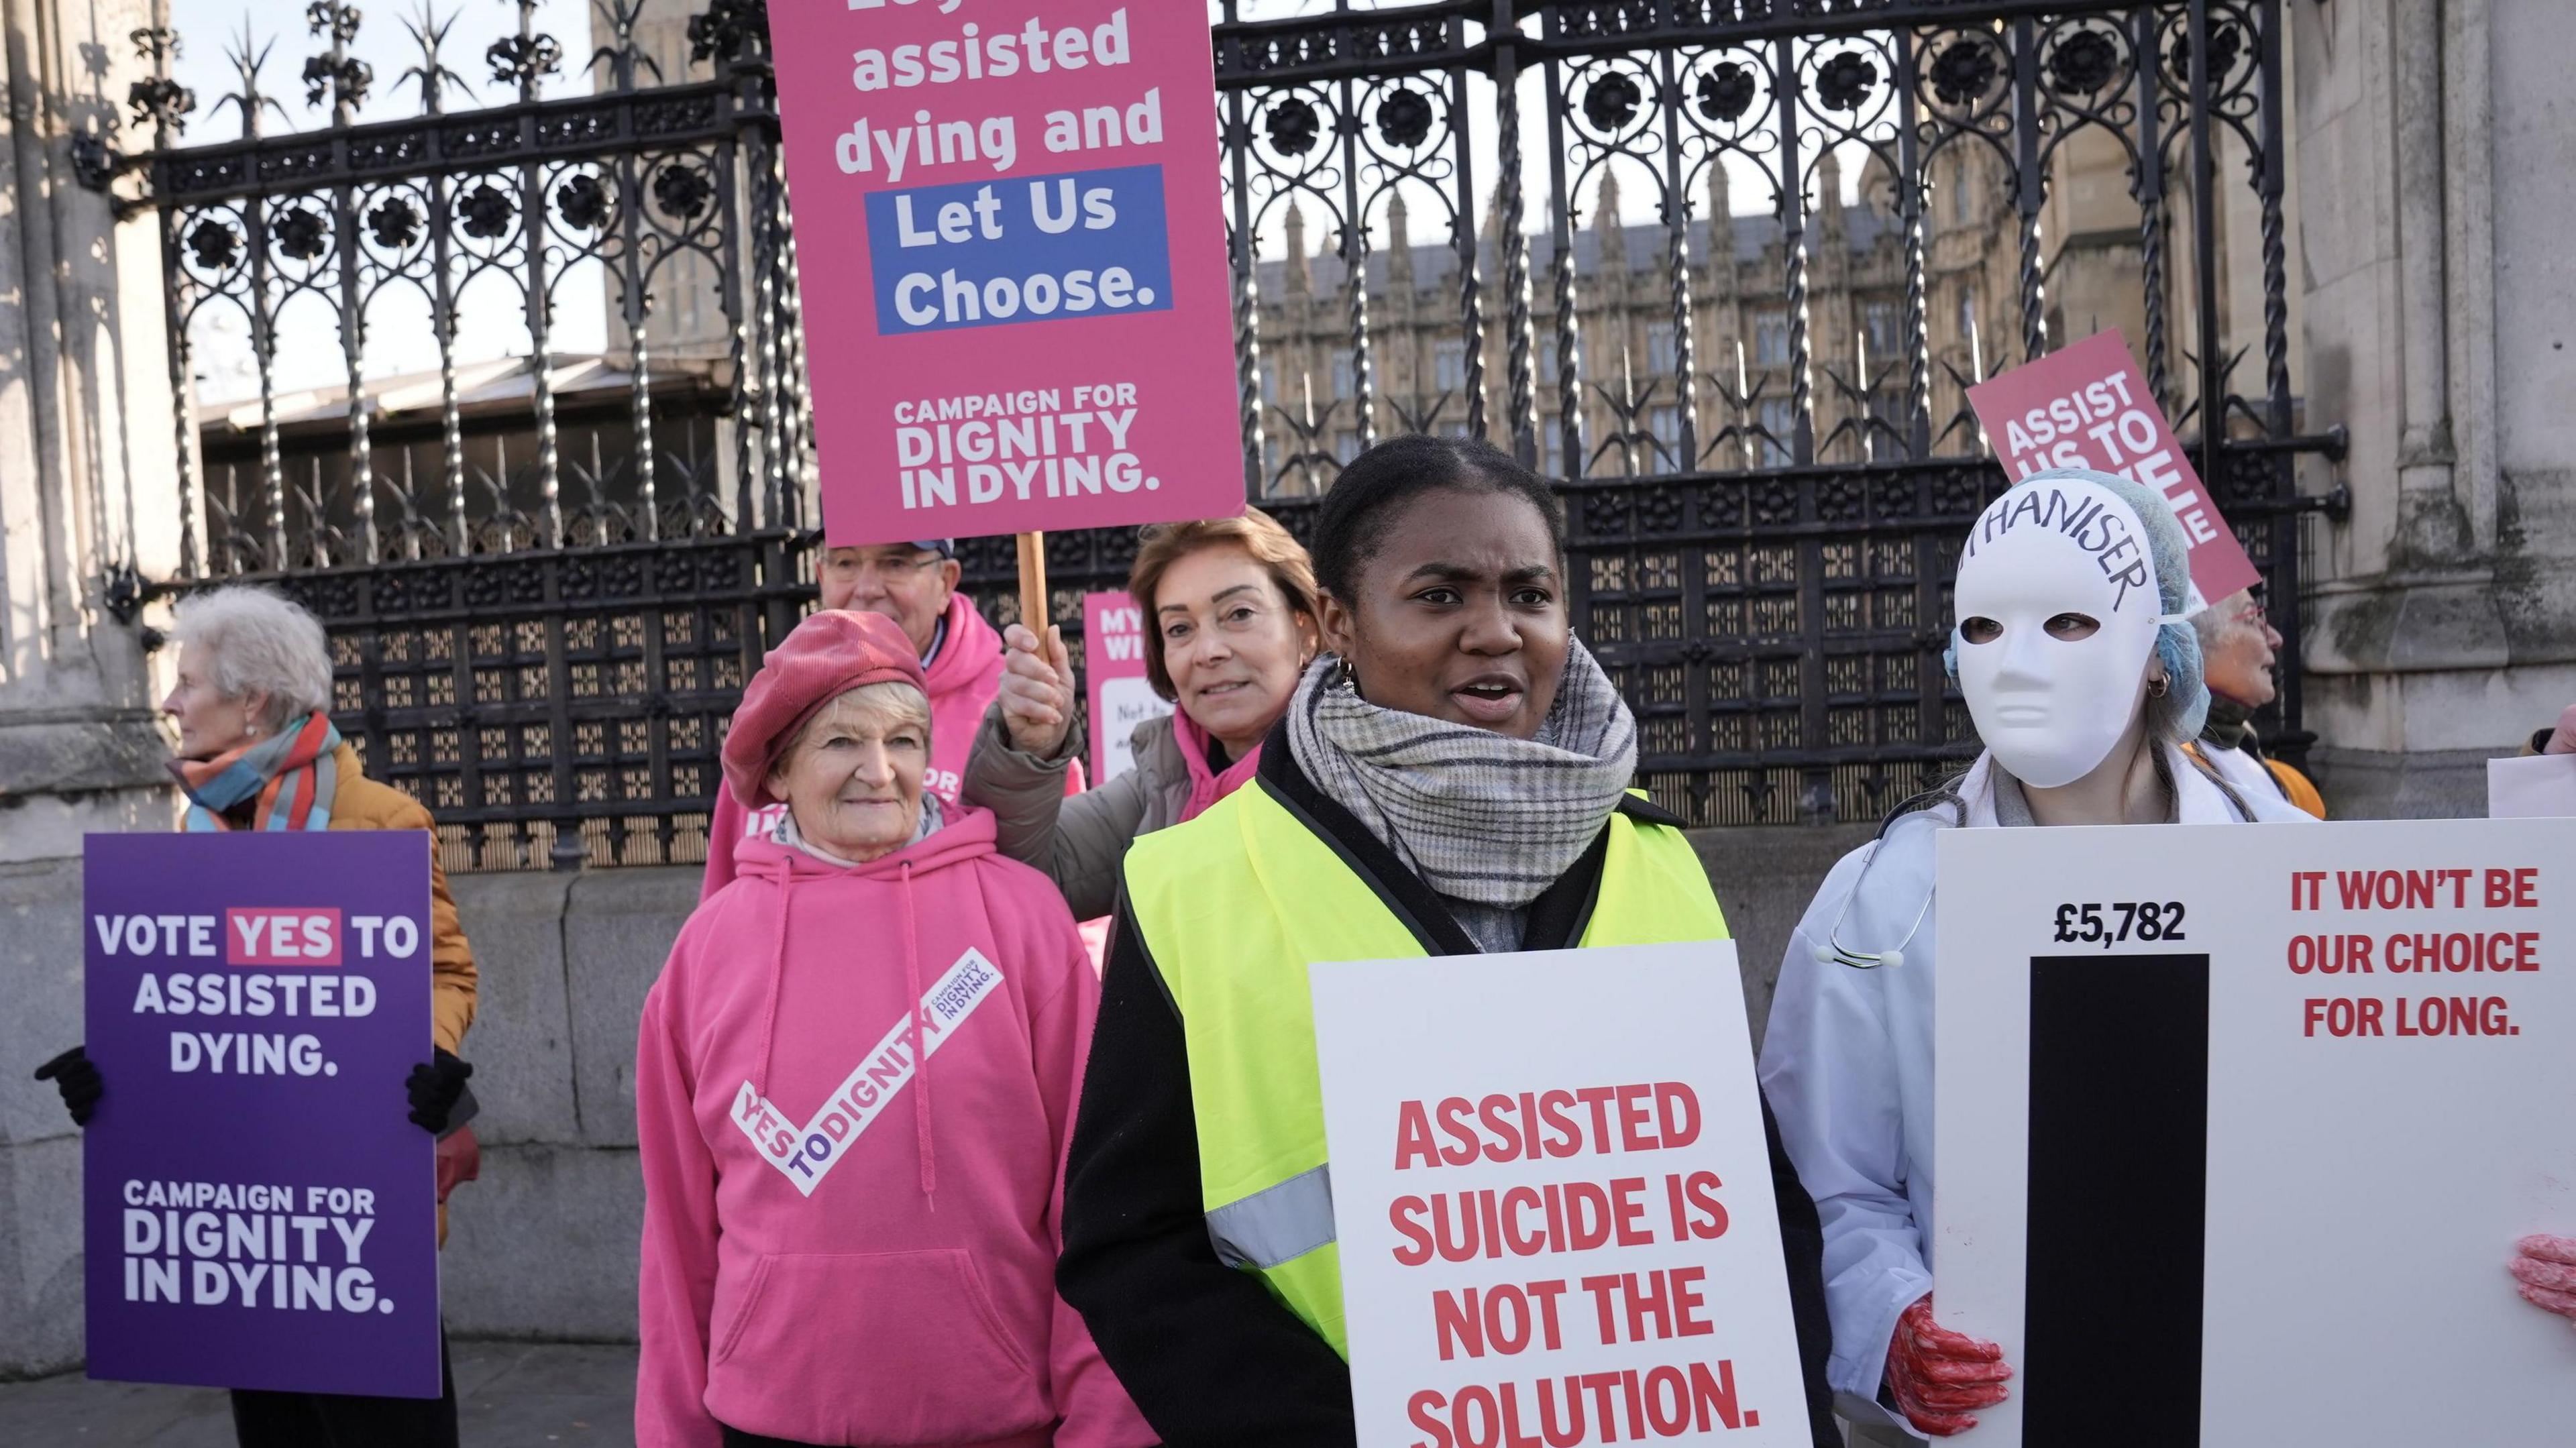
964	680
1207	787
839	1249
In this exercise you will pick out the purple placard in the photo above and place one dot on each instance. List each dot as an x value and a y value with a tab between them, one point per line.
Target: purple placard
261	1153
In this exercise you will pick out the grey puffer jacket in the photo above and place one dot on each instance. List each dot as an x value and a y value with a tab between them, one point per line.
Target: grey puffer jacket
1077	840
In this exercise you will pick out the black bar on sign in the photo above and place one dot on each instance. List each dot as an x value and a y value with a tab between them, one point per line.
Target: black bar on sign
2118	1207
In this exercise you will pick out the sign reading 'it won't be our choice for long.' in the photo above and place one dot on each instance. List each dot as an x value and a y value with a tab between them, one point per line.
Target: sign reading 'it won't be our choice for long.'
2258	1114
1019	316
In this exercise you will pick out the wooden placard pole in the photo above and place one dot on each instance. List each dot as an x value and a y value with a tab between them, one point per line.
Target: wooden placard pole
1033	585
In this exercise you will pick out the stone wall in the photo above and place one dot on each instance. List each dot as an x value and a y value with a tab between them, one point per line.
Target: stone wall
544	1245
88	490
40	1159
2437	160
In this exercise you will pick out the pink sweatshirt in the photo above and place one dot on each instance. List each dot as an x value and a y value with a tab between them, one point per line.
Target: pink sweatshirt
964	680
853	1093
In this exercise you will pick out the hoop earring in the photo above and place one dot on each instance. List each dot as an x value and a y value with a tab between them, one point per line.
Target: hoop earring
2159	686
1346	675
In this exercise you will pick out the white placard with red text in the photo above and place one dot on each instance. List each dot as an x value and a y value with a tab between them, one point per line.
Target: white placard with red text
2084	406
2380	1131
1113	666
1632	1268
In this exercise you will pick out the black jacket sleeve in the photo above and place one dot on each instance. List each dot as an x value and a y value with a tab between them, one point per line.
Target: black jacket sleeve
1802	1243
1210	1357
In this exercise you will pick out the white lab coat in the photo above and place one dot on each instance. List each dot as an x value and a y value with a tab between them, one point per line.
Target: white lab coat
1847	1065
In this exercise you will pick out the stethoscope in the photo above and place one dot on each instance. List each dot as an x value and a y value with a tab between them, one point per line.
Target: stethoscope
1833	951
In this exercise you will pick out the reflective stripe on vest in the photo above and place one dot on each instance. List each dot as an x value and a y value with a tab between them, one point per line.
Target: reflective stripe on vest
1275	1225
1232	907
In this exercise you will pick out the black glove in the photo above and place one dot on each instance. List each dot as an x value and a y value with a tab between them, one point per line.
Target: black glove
78	1080
434	1086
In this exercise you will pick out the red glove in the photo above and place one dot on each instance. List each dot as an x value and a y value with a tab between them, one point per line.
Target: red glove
2547	1271
1939	1377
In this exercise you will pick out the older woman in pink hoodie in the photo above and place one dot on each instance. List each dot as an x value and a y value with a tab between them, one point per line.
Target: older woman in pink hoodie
853	1088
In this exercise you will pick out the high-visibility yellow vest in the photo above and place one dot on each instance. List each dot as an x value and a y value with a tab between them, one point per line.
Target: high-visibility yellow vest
1233	907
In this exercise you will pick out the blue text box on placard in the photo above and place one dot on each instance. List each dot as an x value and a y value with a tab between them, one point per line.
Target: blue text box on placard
1000	253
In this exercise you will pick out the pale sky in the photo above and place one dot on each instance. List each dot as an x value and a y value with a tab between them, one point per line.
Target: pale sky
399	339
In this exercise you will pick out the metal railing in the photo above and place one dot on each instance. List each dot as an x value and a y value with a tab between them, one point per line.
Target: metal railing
542	641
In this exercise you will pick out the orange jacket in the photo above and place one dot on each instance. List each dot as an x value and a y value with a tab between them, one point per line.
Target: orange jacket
2301	790
360	803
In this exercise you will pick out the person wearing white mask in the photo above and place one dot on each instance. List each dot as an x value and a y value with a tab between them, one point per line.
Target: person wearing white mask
2082	673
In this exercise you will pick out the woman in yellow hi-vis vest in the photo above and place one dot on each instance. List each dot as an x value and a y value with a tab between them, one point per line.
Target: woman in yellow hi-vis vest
1451	778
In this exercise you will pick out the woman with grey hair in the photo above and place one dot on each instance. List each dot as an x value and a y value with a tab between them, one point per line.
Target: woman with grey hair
2239	650
257	751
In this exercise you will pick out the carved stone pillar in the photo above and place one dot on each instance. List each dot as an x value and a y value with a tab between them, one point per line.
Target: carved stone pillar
88	496
2438	177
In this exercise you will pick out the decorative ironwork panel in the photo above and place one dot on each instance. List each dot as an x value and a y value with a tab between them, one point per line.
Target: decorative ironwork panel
1759	413
671	192
552	707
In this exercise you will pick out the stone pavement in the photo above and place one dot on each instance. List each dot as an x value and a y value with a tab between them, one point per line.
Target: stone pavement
509	1394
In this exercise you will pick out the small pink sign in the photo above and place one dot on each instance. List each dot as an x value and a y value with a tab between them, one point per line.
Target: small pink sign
1018	312
1113	656
276	936
2084	406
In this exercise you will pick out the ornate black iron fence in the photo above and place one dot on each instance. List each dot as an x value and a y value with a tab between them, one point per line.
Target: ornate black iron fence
555	705
1779	628
663	187
545	580
1760	418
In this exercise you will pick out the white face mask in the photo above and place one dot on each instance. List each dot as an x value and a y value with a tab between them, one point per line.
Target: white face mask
2058	611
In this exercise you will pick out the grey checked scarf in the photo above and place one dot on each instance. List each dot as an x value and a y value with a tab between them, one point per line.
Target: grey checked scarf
1480	816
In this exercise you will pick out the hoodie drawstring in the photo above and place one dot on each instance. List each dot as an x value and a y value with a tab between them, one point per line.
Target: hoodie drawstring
777	980
920	1058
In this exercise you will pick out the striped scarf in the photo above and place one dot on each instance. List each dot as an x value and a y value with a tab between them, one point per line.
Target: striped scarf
1480	816
292	774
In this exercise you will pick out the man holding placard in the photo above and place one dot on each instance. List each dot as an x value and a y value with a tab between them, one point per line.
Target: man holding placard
1028	319
1552	1244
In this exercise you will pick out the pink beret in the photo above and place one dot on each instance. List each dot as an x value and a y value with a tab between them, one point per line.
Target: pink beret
827	655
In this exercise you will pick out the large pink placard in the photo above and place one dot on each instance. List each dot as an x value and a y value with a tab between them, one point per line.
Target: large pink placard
1013	253
2084	406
